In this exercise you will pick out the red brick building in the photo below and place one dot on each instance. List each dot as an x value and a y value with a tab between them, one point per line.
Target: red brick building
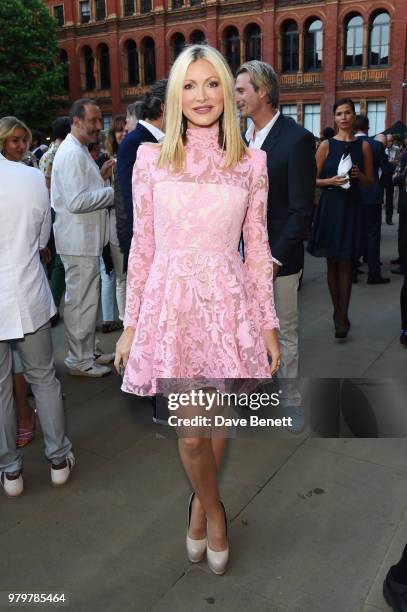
322	49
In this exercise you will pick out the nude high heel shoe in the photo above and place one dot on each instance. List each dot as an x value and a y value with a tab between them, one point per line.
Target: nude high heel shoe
218	560
195	548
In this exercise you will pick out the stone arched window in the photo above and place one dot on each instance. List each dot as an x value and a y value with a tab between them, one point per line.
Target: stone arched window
177	45
131	59
197	37
104	66
379	40
148	54
231	42
290	47
353	43
252	42
87	63
313	45
128	7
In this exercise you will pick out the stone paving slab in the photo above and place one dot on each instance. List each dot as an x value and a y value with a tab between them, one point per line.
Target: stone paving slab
200	591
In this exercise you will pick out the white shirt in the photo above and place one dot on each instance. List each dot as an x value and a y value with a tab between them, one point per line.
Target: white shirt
261	135
25	223
155	131
257	143
80	199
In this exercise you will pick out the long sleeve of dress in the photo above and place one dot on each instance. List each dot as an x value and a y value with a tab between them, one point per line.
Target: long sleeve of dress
143	242
258	260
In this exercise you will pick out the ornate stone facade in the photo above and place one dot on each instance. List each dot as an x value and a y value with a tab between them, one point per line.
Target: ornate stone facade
322	49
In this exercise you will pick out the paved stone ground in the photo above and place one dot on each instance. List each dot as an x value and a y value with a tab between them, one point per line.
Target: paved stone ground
314	523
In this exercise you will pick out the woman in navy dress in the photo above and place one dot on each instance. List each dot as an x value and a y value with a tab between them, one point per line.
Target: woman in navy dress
336	229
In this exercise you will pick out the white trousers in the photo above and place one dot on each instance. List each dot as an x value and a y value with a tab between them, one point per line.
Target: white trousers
35	351
82	281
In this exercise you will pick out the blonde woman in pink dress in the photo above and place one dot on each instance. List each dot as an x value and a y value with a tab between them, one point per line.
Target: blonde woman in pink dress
194	310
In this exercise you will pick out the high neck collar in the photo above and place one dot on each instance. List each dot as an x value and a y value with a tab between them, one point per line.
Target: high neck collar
203	137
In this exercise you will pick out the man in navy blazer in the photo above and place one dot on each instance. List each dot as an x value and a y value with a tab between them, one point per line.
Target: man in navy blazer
292	174
149	129
372	199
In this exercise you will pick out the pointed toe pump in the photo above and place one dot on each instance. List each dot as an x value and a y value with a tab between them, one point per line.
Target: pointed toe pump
218	560
195	548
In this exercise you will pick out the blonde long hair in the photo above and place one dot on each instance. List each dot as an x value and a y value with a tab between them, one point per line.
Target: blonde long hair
172	149
7	127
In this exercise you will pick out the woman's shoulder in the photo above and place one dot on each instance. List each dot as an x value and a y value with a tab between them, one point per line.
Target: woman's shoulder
148	153
149	150
257	158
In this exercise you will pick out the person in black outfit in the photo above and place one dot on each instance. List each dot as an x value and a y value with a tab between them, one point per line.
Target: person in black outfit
336	228
372	199
291	171
395	585
148	129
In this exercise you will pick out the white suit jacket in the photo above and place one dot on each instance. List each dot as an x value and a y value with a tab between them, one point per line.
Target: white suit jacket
25	223
80	199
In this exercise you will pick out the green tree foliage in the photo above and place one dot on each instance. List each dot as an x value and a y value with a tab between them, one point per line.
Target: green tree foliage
30	76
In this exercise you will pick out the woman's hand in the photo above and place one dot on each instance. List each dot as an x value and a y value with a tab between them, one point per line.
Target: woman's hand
355	172
338	180
123	348
273	349
107	169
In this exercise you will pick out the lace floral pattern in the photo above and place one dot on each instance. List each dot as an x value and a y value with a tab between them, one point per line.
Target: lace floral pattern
198	310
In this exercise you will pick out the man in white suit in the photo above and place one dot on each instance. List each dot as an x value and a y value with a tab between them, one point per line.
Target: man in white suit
80	199
26	306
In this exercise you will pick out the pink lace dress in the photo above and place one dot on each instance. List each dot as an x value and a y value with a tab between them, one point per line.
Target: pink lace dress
198	310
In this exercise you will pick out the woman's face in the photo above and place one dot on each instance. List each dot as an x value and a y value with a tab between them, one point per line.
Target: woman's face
16	145
344	117
120	134
202	98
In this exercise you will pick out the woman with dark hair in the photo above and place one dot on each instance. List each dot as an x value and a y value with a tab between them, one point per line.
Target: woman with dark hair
113	278
342	163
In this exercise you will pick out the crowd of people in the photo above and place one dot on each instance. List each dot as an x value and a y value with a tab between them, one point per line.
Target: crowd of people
194	233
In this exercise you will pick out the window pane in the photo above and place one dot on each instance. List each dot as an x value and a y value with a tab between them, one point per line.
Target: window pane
145	6
132	63
107	121
149	62
128	7
100	10
104	67
354	42
313	46
312	118
232	49
379	41
290	48
85	11
253	43
376	111
59	15
289	110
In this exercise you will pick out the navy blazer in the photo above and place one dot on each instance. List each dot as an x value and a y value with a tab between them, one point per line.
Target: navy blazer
374	194
126	158
292	174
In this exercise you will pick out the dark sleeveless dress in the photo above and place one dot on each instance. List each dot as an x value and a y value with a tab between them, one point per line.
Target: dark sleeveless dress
335	232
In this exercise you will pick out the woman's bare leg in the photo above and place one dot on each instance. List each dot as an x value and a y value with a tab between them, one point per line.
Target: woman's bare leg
200	463
197	530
